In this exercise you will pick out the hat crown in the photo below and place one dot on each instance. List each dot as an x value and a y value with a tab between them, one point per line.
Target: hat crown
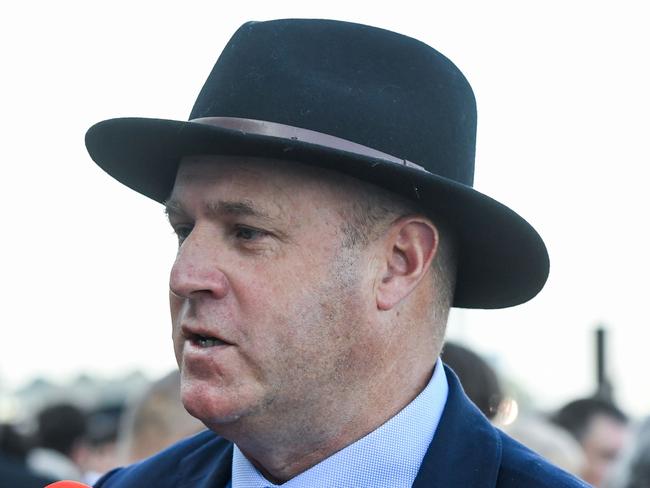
368	85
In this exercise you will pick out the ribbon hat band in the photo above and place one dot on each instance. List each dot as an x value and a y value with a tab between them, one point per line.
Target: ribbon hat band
274	129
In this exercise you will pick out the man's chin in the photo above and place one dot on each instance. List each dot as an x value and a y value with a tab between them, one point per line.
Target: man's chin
213	406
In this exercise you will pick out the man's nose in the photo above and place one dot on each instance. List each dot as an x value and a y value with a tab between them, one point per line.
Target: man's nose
197	269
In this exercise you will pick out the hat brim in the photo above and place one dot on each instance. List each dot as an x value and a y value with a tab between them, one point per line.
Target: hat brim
502	260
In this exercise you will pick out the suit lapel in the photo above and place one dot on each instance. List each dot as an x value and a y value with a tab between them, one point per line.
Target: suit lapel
207	467
466	448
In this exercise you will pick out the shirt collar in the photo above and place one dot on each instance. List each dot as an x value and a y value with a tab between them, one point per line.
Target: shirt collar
389	456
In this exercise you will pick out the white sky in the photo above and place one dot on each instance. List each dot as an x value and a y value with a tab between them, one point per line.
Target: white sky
563	99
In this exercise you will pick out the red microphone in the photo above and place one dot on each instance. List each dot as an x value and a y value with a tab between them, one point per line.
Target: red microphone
67	484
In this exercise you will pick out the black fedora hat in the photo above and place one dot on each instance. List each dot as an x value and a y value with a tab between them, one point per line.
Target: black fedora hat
376	105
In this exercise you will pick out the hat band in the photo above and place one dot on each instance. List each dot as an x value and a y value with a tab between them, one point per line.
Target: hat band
273	129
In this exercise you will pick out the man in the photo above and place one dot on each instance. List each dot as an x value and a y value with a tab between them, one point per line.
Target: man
633	467
321	194
13	471
154	421
62	430
602	431
478	379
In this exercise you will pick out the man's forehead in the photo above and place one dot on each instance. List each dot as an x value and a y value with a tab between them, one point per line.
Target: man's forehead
241	168
206	168
226	177
283	178
227	197
270	189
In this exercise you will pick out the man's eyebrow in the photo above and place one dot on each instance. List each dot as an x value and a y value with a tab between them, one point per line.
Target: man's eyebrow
172	207
220	208
245	208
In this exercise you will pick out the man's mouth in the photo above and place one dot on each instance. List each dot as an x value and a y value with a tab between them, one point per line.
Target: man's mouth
203	341
207	342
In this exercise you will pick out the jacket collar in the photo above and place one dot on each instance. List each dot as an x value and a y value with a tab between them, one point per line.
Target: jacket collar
209	466
466	449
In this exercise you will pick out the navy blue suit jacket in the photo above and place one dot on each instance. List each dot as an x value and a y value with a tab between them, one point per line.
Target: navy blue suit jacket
466	452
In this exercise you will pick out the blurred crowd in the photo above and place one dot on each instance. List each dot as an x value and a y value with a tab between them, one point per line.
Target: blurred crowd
70	443
589	437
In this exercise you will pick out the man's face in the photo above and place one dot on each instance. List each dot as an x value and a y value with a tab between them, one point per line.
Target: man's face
602	443
269	311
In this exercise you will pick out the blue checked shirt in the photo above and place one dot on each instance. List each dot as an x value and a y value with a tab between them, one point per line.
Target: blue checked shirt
389	457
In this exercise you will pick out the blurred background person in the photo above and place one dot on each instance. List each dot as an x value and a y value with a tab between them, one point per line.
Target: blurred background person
13	445
100	449
59	442
155	420
602	431
478	378
13	471
548	440
633	468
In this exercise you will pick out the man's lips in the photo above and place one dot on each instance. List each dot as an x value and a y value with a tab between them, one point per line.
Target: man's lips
202	336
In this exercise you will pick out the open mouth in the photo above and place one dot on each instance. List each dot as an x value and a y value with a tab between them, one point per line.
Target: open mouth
204	341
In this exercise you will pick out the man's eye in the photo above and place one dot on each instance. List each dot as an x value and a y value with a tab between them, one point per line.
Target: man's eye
248	234
182	232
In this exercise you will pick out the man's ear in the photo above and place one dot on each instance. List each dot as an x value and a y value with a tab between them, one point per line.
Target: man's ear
411	243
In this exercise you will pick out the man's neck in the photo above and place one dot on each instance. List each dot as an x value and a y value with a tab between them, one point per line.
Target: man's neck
283	452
